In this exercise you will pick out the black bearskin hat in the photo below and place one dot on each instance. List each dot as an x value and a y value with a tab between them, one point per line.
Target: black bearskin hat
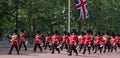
82	33
37	32
56	32
98	33
64	32
73	31
21	30
88	31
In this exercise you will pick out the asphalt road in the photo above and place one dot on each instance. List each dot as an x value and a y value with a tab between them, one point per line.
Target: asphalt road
47	54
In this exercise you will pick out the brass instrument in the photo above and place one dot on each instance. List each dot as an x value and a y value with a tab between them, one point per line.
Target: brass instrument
105	37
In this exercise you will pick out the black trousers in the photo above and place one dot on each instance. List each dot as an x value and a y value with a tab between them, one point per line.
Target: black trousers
35	47
118	44
81	46
54	46
97	47
22	43
47	45
107	46
92	45
11	49
64	45
114	47
86	47
72	48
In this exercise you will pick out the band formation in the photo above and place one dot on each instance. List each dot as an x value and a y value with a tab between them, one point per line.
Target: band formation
83	42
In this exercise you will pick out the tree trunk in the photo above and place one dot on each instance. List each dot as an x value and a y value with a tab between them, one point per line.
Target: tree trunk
30	22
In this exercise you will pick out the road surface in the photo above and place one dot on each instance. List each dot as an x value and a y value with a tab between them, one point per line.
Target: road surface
47	54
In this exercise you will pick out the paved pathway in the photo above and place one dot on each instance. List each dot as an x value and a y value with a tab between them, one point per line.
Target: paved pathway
47	54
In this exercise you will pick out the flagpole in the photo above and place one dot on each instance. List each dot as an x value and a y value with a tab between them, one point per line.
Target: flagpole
69	16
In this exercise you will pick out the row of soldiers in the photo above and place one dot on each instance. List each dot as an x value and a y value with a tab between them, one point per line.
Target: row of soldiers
73	42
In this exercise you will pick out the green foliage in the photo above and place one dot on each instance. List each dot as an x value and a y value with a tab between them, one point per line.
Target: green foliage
49	15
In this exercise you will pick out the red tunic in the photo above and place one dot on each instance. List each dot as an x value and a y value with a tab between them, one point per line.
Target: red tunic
117	38
54	39
87	39
73	39
58	38
22	37
113	41
105	40
38	39
47	39
65	39
76	38
98	39
82	39
14	40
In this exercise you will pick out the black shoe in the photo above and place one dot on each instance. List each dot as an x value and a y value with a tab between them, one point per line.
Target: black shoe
89	53
83	53
59	52
44	48
79	50
104	52
25	49
18	53
52	52
41	51
9	53
19	49
94	52
69	55
67	50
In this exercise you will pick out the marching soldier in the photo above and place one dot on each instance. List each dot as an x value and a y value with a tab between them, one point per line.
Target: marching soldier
81	40
14	43
113	42
92	40
65	39
55	42
117	38
87	43
106	40
98	41
73	42
22	40
38	39
47	41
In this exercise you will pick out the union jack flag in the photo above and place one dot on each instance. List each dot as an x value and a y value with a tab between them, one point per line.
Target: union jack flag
82	9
